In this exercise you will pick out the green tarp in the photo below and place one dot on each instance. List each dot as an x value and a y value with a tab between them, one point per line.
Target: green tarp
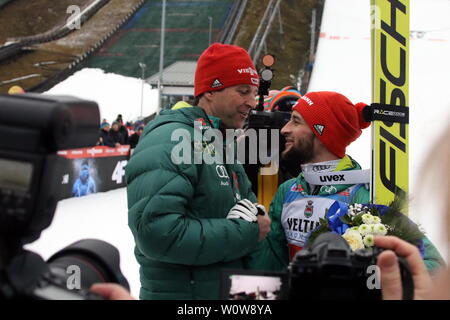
187	35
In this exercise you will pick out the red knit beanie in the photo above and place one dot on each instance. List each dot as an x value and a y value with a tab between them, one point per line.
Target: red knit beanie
332	118
223	65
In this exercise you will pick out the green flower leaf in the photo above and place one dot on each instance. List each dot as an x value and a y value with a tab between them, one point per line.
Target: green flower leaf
347	220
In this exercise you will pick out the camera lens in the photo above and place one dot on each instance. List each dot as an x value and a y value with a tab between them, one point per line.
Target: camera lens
91	260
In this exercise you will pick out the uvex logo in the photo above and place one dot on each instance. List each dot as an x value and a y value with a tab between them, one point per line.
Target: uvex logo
330	178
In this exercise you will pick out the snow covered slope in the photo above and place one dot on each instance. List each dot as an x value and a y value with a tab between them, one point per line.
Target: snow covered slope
113	93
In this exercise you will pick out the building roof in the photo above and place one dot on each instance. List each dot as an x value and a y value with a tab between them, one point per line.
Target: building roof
180	73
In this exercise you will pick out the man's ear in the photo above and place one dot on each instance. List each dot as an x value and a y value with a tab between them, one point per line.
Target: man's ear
319	147
208	95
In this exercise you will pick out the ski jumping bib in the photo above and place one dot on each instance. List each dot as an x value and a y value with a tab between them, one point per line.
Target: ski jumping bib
301	214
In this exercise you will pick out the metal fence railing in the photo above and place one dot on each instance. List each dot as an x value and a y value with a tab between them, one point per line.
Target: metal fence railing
306	70
15	45
233	21
264	27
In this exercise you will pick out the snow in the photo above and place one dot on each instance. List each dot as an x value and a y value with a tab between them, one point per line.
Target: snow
115	94
101	216
342	65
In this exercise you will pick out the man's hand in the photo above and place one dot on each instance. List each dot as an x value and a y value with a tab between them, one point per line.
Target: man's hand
264	226
263	221
111	291
252	212
391	285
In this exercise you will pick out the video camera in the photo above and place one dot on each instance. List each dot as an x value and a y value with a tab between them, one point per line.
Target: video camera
277	114
269	117
33	128
327	269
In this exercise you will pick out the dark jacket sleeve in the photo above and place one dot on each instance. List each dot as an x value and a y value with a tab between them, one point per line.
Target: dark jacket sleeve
159	193
124	132
272	254
116	137
133	140
432	258
107	141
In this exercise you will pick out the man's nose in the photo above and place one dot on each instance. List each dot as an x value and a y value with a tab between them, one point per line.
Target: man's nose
285	130
251	102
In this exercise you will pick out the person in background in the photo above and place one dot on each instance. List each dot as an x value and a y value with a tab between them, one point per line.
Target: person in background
181	105
115	135
134	138
105	139
129	125
122	129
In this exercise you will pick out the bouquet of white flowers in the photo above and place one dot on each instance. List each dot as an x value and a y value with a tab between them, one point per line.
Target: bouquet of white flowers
358	224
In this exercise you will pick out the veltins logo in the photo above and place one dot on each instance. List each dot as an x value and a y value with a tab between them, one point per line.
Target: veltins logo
250	70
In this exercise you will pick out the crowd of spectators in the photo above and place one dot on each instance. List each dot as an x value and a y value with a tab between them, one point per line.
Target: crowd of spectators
119	133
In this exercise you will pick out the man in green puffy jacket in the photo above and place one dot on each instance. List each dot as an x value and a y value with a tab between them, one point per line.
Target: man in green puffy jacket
322	125
191	218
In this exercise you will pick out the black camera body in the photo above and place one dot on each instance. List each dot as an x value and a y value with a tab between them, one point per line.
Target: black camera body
325	270
67	275
33	128
328	269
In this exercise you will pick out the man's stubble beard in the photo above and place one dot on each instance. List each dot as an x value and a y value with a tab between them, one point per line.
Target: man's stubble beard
301	152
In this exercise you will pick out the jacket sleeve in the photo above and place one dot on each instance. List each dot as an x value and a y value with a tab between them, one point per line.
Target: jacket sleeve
245	185
159	193
272	254
361	196
432	258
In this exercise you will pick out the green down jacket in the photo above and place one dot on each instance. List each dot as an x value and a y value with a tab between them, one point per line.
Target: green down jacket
273	254
177	212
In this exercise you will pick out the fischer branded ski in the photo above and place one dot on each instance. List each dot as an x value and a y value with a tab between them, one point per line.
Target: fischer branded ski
390	84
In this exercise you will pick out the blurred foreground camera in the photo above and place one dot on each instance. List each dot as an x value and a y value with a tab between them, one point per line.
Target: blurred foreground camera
328	269
33	128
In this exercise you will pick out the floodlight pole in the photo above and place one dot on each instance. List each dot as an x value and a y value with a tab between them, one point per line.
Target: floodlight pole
210	30
161	54
142	66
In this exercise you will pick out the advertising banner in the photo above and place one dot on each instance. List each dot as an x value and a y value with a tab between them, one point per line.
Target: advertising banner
91	170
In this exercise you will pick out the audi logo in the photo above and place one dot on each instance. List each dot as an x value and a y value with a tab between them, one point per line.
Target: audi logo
222	172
